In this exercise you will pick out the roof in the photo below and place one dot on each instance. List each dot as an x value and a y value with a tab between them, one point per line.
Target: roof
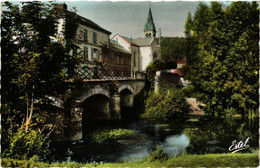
140	41
117	47
143	41
182	60
149	25
62	9
178	71
91	24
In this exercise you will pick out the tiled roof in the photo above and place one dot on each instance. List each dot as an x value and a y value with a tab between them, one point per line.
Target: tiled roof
62	9
143	41
91	24
178	71
117	47
182	60
140	41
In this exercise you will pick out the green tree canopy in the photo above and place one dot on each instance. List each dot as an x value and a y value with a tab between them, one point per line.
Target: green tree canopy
172	48
33	60
223	59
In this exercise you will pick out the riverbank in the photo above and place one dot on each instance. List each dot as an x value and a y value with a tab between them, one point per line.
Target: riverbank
207	160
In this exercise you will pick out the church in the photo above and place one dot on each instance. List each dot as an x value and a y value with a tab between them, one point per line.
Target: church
143	50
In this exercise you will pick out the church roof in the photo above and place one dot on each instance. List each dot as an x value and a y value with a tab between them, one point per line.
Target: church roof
143	41
140	41
149	25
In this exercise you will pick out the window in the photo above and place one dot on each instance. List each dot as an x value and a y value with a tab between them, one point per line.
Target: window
94	54
134	60
155	56
85	57
121	60
117	59
85	35
94	37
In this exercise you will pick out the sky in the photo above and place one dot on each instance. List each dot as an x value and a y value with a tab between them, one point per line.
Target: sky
127	18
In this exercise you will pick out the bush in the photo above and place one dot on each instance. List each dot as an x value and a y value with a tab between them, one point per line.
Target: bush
28	145
158	155
111	134
165	104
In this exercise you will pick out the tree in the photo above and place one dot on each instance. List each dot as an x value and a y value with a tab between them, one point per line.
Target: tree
34	59
173	48
223	67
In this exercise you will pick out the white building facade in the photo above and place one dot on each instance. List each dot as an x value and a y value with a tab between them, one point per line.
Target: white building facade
144	50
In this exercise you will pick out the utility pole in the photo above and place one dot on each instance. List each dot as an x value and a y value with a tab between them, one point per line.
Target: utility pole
160	43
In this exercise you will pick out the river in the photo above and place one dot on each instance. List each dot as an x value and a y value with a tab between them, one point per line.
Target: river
189	135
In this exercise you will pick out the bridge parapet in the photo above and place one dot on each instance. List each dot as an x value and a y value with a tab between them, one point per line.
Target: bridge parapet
100	73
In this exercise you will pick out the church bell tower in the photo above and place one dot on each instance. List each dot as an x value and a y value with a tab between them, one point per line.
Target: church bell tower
149	27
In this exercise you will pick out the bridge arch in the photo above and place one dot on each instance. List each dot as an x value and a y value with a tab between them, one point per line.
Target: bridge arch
92	92
121	88
126	101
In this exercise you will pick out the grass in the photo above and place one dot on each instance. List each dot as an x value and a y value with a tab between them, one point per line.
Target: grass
208	160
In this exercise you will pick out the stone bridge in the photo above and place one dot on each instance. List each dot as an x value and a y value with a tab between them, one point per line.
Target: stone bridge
98	100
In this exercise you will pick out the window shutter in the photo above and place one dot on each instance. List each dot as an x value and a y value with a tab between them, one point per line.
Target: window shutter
91	54
94	37
85	35
97	54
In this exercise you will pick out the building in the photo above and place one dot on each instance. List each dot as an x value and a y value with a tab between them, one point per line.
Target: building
143	50
98	56
180	70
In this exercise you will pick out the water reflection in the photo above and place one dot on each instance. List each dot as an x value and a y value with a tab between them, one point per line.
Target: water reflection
175	144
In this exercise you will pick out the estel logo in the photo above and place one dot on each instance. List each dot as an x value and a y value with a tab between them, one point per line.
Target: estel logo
238	146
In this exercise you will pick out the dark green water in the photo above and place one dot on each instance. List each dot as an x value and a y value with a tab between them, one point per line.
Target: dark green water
190	135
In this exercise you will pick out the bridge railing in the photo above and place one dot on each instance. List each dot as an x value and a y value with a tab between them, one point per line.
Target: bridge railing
100	73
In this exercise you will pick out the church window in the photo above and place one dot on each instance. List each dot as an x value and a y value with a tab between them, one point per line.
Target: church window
155	56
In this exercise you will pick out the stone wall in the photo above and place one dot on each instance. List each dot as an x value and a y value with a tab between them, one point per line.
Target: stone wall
96	100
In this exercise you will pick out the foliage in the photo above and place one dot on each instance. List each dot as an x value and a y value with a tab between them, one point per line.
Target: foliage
165	104
111	134
33	62
223	57
27	145
156	66
173	48
158	155
34	59
207	160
